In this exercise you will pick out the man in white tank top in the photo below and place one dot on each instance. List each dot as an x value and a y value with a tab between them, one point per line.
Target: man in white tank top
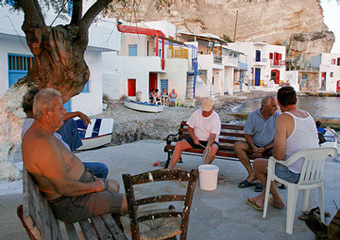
295	130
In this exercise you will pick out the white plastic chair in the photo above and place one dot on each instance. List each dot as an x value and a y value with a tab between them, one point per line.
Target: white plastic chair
311	177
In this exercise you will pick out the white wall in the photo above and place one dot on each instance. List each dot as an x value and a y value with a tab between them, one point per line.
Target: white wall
91	103
138	68
229	80
293	77
176	72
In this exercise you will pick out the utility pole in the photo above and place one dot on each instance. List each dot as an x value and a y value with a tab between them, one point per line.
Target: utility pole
235	25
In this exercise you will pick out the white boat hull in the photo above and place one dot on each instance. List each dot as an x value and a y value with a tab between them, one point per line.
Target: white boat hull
144	107
96	134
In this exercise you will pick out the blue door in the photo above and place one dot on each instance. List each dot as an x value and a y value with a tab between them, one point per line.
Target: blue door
257	76
164	84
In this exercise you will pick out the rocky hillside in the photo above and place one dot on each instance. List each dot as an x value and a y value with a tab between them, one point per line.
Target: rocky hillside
272	21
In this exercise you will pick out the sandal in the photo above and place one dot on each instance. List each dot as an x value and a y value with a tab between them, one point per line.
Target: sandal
305	215
259	187
246	184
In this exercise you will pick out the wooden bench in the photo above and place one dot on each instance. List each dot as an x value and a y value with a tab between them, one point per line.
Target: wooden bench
40	222
230	134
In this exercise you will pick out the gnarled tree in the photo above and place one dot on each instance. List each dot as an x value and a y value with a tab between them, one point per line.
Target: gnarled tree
58	63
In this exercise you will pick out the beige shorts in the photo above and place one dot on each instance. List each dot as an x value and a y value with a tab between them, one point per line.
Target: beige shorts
73	209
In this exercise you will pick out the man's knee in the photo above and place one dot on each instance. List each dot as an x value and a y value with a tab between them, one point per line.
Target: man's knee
182	145
241	147
113	185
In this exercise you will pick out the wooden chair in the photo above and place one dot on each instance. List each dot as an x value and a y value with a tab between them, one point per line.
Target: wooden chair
159	223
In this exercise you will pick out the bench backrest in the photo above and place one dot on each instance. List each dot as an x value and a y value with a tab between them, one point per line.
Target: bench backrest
230	133
37	214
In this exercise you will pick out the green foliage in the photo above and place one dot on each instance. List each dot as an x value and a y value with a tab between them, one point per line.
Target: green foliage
227	38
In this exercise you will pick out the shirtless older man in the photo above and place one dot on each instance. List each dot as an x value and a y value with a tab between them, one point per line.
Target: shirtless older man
73	192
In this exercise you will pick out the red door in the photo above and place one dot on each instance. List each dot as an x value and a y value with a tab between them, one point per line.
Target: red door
131	87
152	81
338	86
275	75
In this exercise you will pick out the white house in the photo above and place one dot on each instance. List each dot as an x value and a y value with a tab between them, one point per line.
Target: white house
265	62
329	71
150	58
16	58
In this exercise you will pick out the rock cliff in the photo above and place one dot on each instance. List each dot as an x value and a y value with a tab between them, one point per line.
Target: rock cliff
271	21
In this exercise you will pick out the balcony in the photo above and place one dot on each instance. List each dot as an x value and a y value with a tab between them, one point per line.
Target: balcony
277	63
230	61
217	59
261	62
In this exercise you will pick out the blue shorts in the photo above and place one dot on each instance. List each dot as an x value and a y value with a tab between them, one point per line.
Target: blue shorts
284	173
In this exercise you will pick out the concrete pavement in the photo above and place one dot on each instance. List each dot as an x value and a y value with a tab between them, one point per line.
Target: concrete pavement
220	214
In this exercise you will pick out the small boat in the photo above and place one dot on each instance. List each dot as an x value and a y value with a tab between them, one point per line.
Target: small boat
143	106
96	134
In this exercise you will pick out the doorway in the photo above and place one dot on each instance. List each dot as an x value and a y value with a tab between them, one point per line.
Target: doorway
257	76
275	75
152	81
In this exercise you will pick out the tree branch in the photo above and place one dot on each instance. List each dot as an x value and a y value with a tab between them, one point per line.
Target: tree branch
77	11
33	15
94	10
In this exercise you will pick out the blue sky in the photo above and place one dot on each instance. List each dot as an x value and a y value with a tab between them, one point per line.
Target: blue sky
331	12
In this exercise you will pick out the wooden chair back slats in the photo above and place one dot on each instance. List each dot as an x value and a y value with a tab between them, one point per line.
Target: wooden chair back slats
161	198
160	175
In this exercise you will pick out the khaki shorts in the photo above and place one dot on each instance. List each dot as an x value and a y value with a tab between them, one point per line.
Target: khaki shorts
74	209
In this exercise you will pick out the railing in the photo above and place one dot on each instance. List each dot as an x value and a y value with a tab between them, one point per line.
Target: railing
178	53
217	59
276	62
262	60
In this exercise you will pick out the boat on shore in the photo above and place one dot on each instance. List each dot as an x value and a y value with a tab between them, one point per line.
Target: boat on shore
143	106
96	134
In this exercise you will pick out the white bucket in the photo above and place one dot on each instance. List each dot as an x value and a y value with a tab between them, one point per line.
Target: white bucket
208	176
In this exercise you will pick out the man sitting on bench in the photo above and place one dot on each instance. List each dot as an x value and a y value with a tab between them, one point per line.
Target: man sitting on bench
259	134
204	130
73	192
67	134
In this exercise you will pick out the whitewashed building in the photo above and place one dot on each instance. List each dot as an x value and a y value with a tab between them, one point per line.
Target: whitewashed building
328	65
150	58
265	62
16	58
217	63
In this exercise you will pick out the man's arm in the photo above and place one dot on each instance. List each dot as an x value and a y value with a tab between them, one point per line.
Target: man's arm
192	135
250	141
281	136
211	139
81	115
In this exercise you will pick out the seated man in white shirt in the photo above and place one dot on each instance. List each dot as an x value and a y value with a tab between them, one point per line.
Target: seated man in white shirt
204	129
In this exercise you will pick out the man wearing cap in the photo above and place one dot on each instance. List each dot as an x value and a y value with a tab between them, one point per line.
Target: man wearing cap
204	130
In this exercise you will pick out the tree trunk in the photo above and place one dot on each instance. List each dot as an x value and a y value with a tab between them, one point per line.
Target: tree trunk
58	63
